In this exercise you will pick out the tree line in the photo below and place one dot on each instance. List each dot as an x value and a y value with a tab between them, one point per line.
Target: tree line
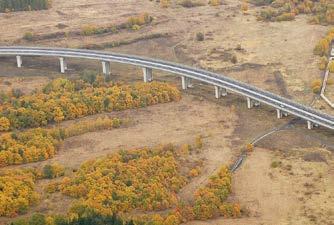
39	144
63	99
24	5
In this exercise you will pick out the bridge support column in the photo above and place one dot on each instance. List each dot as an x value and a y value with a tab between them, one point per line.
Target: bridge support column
106	69
279	114
219	91
19	61
185	82
249	103
148	75
63	65
310	125
252	102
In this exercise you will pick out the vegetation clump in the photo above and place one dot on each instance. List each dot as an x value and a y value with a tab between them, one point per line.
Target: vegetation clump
210	201
316	86
17	192
85	216
29	36
215	2
146	179
24	5
40	144
190	3
322	12
135	22
51	171
63	99
200	36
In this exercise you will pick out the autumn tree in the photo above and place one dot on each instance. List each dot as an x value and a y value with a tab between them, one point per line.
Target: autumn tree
4	124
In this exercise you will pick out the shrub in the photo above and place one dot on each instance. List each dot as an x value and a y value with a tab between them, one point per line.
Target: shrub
164	3
139	20
285	17
215	2
194	172
234	59
89	30
261	2
266	14
4	124
29	36
316	86
249	147
53	171
323	63
331	66
190	3
244	6
199	142
200	36
275	164
89	76
322	47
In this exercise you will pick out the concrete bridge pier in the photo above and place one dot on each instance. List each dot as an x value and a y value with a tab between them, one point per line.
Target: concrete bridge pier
106	69
310	125
19	61
148	75
185	82
219	91
252	102
63	64
279	114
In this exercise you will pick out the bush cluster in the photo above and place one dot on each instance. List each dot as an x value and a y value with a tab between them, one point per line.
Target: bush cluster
284	10
85	217
210	201
134	23
146	179
190	3
138	21
40	144
51	171
16	192
322	47
63	100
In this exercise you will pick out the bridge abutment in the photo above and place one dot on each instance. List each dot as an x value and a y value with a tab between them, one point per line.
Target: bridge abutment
106	69
219	92
148	75
19	61
63	64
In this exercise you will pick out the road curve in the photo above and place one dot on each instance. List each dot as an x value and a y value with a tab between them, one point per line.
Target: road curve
278	102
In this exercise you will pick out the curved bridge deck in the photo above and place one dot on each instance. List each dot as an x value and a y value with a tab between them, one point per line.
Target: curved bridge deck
222	83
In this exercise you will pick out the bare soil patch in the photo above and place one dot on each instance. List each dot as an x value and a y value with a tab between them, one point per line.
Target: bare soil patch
296	192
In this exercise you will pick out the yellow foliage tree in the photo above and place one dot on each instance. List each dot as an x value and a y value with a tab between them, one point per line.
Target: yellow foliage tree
59	115
4	124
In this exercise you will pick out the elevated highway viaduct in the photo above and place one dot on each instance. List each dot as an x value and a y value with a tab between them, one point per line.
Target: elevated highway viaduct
222	84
